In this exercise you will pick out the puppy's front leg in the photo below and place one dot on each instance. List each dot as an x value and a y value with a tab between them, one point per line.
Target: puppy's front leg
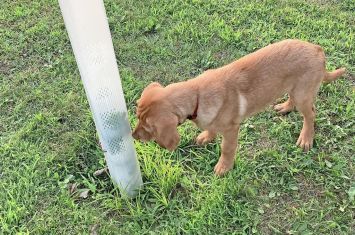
205	137
229	147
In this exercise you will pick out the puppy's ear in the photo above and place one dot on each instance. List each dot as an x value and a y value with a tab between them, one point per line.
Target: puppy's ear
167	135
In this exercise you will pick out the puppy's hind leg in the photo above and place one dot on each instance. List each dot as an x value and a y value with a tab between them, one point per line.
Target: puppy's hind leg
304	97
205	137
285	107
305	140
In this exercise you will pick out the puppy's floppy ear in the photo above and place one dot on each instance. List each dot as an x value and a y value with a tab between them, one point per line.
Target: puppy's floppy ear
166	132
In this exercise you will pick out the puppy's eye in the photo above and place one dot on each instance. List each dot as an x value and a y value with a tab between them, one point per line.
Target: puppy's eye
147	128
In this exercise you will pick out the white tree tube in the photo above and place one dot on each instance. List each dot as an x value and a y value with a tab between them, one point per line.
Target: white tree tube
90	37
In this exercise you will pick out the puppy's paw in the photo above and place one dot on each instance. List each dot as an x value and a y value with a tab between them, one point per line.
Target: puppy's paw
205	137
305	141
284	108
223	166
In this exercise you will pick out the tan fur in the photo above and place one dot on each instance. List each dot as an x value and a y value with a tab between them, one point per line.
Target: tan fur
226	96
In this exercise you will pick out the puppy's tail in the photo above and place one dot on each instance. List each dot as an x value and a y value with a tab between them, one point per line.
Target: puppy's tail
331	76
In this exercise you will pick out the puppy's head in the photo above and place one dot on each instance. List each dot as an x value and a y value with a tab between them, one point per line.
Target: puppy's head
156	118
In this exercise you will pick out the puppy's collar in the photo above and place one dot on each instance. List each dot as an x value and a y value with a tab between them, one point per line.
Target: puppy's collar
194	115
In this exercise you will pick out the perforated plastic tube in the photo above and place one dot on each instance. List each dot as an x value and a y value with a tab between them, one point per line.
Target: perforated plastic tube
90	37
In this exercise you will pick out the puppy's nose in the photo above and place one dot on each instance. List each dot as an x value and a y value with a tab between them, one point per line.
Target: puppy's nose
135	134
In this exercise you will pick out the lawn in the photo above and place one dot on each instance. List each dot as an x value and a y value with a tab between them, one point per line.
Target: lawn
48	141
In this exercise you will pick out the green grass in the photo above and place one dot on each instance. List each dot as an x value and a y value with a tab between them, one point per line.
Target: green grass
48	140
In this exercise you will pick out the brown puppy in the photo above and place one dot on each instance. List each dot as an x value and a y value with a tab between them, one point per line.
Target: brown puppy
220	99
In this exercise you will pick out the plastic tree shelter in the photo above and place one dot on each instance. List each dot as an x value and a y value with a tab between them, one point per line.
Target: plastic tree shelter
90	37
